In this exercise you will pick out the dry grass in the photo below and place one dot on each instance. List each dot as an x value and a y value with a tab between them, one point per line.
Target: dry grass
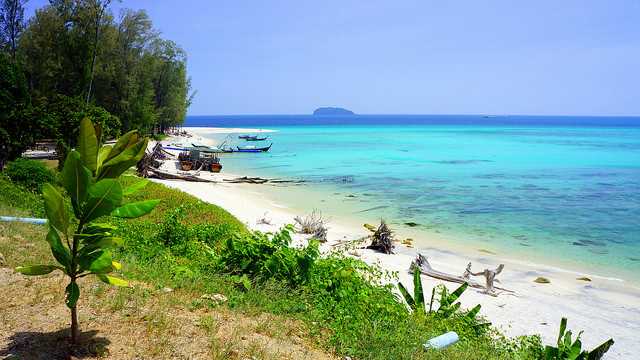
126	323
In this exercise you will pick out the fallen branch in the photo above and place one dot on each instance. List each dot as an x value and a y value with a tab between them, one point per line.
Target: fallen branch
247	180
423	265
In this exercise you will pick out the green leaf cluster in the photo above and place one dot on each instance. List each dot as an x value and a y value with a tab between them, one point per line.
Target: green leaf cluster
81	244
568	349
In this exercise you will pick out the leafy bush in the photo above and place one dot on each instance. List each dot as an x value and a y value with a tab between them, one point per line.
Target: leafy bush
268	256
31	174
569	349
16	196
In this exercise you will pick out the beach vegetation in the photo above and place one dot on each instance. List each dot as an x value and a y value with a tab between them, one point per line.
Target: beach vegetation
31	174
89	179
569	349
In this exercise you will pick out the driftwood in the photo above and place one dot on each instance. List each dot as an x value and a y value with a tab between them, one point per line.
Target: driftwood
259	180
423	265
382	239
489	275
156	173
247	180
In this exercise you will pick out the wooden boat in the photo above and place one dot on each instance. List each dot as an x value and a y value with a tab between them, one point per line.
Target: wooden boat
253	149
255	138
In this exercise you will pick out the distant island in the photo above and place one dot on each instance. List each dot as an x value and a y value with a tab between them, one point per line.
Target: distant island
332	111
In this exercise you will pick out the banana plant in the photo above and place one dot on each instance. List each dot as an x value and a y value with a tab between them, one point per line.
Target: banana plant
568	349
79	242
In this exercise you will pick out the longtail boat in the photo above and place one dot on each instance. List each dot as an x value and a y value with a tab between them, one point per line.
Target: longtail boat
253	149
255	138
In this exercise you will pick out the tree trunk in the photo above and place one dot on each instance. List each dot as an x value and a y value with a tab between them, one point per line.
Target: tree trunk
74	325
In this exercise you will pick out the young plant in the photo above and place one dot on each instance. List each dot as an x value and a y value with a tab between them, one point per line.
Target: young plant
416	303
572	350
89	177
448	305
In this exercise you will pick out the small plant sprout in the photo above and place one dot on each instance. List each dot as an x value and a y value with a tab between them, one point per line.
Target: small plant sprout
90	179
568	349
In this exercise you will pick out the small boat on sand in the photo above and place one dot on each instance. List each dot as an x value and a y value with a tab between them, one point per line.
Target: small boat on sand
253	149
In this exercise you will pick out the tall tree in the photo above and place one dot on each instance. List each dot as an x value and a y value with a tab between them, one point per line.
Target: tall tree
98	9
12	23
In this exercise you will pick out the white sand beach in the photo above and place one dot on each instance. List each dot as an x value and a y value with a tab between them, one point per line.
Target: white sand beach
602	307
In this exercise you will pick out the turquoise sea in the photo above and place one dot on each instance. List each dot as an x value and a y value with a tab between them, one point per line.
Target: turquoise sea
561	188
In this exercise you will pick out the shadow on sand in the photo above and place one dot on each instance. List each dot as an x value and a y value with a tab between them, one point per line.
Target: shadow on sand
53	345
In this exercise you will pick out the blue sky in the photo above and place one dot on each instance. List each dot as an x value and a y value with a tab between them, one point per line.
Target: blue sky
406	57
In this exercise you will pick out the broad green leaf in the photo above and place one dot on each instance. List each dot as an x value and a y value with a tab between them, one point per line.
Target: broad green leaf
76	179
457	292
102	156
112	280
54	208
104	196
135	209
88	144
98	228
598	353
123	142
563	327
114	167
60	252
407	297
417	290
72	294
99	242
103	264
135	187
473	312
37	269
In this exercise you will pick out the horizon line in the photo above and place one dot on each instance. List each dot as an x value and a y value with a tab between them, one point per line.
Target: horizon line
415	114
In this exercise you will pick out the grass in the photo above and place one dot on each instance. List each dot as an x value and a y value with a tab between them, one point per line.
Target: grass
335	305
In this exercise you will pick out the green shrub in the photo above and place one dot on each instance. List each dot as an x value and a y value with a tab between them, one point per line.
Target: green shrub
31	174
268	256
16	196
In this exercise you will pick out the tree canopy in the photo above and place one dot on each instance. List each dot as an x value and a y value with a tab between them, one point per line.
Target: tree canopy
75	58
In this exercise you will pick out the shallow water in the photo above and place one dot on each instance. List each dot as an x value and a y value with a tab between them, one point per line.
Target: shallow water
537	187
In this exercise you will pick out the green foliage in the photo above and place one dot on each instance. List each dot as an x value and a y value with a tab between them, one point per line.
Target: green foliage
568	349
415	302
137	76
17	128
14	195
94	192
31	174
345	304
268	256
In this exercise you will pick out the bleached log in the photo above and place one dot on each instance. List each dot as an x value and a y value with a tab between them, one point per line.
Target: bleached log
423	265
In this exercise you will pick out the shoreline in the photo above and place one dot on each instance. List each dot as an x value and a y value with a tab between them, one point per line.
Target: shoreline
602	307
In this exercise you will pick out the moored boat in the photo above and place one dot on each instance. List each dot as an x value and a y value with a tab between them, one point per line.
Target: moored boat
253	148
